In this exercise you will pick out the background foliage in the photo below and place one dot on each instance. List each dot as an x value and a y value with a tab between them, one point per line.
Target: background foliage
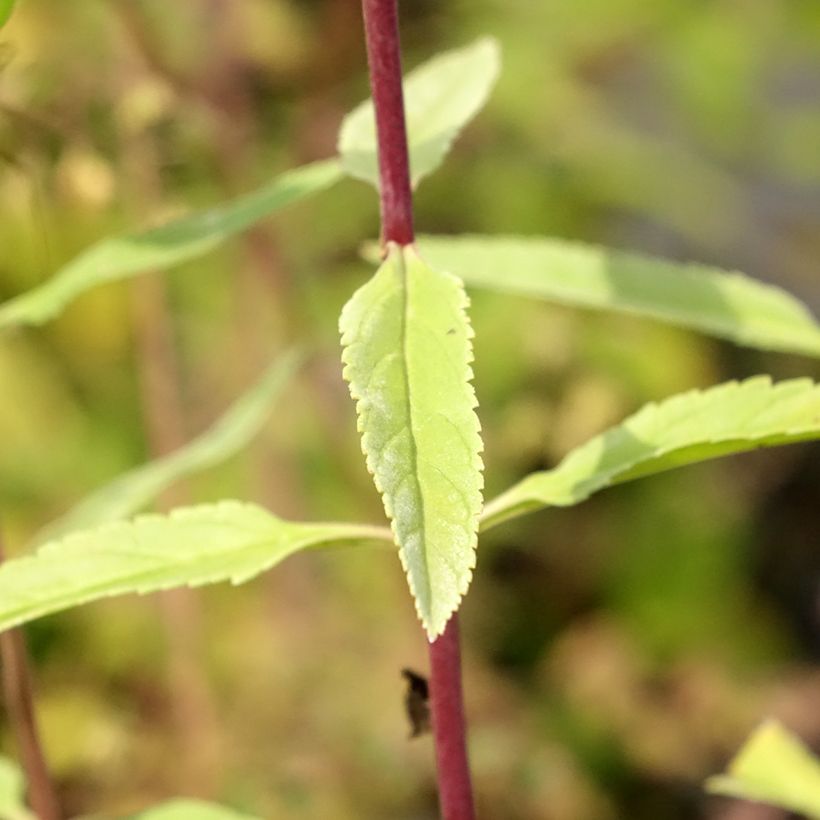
616	653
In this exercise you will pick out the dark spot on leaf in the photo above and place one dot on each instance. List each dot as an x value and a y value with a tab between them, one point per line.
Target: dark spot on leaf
416	702
451	331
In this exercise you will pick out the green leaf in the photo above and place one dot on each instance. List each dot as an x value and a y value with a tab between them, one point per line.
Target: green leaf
191	546
12	792
440	98
184	809
135	489
171	244
687	428
773	767
407	354
6	8
728	305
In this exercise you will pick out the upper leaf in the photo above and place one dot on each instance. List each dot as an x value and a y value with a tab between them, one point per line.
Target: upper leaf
773	767
191	546
440	97
690	427
170	244
407	354
728	305
136	488
185	809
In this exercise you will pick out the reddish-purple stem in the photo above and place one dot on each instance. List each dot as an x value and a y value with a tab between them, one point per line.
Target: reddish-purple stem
381	26
449	727
381	23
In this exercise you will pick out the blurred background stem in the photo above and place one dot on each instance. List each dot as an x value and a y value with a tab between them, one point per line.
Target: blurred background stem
18	693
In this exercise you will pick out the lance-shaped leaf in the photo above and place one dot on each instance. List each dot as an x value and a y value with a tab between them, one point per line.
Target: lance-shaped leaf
773	767
440	98
171	244
695	426
135	489
184	809
407	354
728	305
192	546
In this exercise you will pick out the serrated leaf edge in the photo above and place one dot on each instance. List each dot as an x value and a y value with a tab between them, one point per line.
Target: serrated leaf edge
651	408
432	630
319	534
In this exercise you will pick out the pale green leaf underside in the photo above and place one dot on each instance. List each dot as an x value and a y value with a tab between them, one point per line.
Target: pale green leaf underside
687	428
773	767
440	97
729	305
184	809
407	354
12	792
191	546
135	489
171	244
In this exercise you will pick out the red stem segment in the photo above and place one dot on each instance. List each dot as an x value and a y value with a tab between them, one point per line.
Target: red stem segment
381	26
381	23
449	727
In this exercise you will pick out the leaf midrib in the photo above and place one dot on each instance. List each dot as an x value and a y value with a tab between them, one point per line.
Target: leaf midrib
414	459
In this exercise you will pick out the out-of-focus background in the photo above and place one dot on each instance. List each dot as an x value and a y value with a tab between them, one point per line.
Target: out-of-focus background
615	654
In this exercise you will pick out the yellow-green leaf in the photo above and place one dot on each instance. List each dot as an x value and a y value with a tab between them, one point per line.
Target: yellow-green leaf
440	98
773	767
191	546
722	303
407	353
133	490
185	809
170	244
687	428
6	8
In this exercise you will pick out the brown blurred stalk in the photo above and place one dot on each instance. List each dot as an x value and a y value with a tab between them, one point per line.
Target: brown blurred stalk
163	413
18	693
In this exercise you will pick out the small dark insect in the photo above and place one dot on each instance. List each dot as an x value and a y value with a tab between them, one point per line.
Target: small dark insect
451	331
416	702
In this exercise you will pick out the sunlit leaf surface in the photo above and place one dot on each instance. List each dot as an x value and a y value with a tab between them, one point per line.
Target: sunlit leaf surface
407	354
192	546
729	305
773	767
691	427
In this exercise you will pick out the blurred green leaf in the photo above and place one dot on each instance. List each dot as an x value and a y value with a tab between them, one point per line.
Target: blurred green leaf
695	426
192	546
773	767
162	247
183	809
6	8
407	354
12	792
728	305
136	488
440	98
